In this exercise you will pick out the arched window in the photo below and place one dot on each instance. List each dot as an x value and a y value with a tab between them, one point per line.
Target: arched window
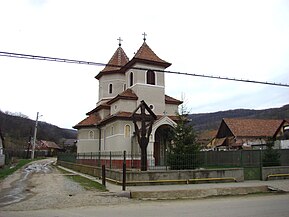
91	134
110	88
127	131
131	79
151	78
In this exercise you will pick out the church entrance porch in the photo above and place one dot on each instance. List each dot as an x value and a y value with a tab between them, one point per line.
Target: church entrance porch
161	144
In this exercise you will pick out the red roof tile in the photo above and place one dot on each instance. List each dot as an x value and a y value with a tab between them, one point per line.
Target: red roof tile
119	115
146	55
91	120
128	94
252	127
171	100
118	60
44	145
100	107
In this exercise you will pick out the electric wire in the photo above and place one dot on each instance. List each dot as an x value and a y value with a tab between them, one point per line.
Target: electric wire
63	60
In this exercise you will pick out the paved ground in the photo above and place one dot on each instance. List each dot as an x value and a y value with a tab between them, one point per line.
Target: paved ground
43	187
241	206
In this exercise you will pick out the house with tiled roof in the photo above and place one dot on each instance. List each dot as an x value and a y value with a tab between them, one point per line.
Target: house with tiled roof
49	148
237	133
123	84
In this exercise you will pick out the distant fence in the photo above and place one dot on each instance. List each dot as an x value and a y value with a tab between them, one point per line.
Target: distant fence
23	154
206	159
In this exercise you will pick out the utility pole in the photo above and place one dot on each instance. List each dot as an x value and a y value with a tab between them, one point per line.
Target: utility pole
34	137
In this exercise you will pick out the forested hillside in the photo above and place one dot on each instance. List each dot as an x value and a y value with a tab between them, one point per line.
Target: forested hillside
17	128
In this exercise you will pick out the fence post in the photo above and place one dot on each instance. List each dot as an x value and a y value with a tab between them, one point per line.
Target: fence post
110	161
124	171
103	175
98	163
261	163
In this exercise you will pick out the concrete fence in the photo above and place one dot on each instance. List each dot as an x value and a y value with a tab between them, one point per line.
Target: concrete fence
136	177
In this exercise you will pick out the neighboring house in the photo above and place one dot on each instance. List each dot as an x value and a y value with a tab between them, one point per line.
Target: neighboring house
235	133
2	156
49	148
205	139
69	145
123	84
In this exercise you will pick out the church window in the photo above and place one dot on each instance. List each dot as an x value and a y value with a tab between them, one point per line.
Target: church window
127	131
131	79
110	88
91	134
112	131
124	87
151	77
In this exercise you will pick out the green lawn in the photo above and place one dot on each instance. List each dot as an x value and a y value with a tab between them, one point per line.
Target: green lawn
84	182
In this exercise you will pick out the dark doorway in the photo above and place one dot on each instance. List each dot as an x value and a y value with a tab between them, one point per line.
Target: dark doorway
162	140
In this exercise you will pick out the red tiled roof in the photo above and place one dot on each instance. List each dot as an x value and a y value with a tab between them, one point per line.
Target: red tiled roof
119	115
118	60
252	127
146	55
91	120
171	100
128	94
42	145
101	106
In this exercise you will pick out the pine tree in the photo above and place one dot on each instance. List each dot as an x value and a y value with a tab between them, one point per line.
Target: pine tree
184	150
271	156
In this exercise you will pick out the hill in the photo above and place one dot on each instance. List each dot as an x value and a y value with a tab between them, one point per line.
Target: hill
17	128
211	121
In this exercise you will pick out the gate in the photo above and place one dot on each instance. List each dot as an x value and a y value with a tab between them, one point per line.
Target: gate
252	163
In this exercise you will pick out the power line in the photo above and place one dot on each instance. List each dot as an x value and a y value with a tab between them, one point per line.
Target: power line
55	59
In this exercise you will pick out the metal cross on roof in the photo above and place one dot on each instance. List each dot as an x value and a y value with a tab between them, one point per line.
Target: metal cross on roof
119	41
144	36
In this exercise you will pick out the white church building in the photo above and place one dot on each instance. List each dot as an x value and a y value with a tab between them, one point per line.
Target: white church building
123	84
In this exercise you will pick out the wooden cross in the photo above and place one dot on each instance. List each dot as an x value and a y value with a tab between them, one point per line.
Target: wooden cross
144	36
119	41
144	132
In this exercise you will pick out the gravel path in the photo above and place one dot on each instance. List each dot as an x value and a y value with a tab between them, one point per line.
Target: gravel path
47	188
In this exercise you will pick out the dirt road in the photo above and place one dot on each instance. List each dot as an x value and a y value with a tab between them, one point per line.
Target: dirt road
41	186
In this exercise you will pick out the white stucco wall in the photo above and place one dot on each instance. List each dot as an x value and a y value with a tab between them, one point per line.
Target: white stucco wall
87	140
123	105
117	81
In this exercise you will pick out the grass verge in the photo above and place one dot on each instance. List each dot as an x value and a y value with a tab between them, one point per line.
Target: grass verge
84	182
8	170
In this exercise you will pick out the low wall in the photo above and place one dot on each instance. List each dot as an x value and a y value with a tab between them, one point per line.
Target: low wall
266	171
138	176
135	177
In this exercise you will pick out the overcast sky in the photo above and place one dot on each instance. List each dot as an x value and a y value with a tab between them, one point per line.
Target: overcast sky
246	39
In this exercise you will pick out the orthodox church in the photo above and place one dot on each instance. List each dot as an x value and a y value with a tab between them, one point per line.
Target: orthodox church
123	84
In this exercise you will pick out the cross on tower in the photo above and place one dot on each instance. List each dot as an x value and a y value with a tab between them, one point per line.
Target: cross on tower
119	41
144	36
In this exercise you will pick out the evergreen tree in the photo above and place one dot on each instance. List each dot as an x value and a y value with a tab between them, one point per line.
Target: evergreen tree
271	156
184	150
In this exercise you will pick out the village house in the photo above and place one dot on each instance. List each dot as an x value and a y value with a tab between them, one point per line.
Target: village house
237	133
48	148
123	84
